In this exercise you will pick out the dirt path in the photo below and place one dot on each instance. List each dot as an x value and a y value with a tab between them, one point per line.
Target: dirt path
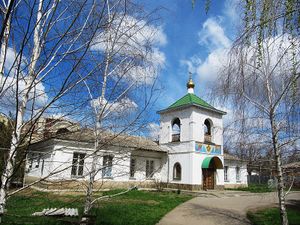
221	210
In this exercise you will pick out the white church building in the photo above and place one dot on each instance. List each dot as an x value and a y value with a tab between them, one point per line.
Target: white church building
189	153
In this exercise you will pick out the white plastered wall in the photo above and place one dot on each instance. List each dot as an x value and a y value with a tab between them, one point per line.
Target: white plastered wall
192	130
231	173
60	157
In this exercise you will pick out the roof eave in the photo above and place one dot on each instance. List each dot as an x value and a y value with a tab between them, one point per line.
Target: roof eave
188	105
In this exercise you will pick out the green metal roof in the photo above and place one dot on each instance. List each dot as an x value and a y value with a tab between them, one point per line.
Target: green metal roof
191	100
217	163
206	162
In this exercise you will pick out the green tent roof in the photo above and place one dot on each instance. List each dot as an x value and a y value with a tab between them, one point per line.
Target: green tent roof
191	99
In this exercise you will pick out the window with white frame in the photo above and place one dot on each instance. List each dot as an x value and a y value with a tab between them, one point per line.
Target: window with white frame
107	166
77	164
238	173
226	173
132	167
38	160
149	168
30	163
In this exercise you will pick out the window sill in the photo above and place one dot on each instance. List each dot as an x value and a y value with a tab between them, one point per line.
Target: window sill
132	178
150	178
176	179
226	181
238	181
108	178
77	177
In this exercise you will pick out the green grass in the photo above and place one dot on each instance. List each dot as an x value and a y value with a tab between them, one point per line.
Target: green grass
253	188
135	208
270	216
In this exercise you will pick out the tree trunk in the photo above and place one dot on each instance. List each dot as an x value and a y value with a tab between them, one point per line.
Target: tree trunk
3	51
89	192
21	108
8	169
280	185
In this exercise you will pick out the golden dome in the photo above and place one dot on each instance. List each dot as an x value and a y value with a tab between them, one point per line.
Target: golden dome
190	83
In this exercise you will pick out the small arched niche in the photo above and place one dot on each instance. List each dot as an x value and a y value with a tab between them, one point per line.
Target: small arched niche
208	130
176	130
177	171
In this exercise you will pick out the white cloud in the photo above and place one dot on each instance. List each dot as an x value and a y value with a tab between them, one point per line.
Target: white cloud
9	60
153	129
9	85
231	11
191	63
213	64
124	105
213	35
129	34
8	95
134	38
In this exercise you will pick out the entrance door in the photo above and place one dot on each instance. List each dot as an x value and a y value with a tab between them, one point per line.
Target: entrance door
208	178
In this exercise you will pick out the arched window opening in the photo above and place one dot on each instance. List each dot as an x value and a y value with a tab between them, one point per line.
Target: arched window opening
176	130
62	131
177	171
207	130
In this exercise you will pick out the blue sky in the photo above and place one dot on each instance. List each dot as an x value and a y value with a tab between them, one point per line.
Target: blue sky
189	40
194	40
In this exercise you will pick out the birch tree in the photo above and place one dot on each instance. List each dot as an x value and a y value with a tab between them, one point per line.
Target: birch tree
48	47
128	48
262	81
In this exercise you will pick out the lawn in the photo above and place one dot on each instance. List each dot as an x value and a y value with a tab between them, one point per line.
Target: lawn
135	207
270	216
255	188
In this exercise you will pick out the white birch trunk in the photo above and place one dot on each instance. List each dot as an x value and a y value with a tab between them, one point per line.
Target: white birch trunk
16	136
88	201
280	185
3	50
89	193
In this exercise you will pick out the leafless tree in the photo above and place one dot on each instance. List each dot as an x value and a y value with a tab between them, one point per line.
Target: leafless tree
130	63
261	82
42	50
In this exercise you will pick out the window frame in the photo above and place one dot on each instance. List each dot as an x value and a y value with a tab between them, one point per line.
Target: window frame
107	166
226	173
238	174
175	135
150	168
77	168
132	167
38	160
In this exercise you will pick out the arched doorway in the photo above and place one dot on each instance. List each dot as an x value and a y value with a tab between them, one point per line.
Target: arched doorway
209	166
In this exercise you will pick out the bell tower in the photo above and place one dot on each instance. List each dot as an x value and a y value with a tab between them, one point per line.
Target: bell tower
192	131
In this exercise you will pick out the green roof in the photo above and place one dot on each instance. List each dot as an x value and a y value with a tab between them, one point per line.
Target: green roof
192	99
189	99
217	163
